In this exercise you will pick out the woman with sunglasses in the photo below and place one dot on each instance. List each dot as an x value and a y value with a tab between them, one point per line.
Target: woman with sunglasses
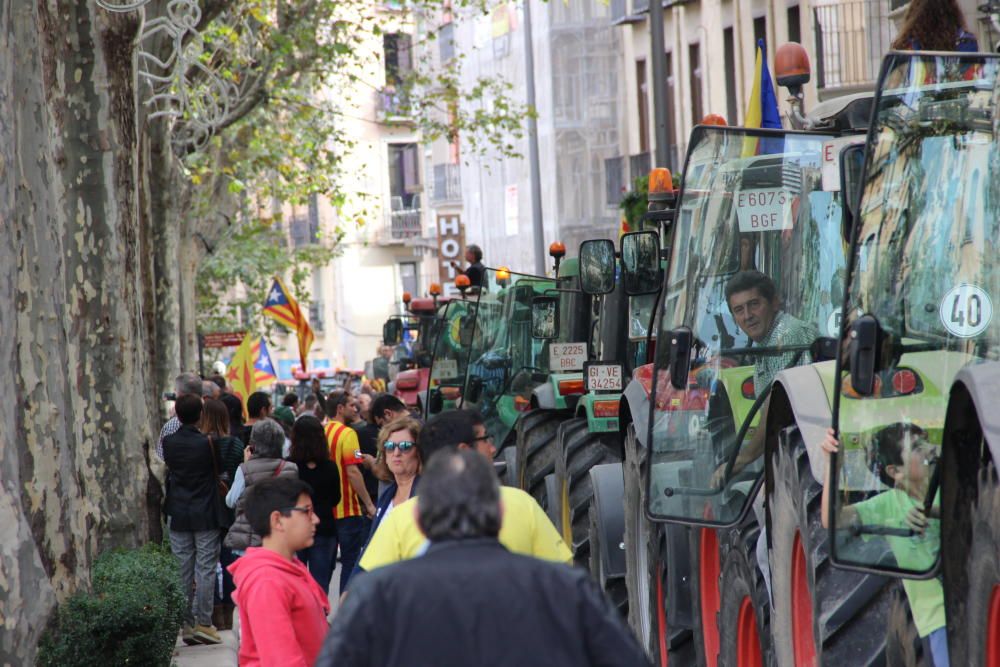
397	444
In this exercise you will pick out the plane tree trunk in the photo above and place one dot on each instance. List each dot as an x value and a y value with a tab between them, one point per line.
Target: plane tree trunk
77	402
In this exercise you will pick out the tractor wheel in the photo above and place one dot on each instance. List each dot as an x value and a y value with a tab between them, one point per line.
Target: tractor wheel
509	456
744	607
579	450
821	615
973	597
636	539
903	647
706	572
536	454
613	586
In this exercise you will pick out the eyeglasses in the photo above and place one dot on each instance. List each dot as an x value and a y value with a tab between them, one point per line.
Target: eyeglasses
305	510
404	445
482	437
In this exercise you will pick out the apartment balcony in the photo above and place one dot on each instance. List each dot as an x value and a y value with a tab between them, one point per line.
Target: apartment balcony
401	223
392	106
447	185
851	38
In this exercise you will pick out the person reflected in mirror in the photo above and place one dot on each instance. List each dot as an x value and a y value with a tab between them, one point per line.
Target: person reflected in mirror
904	460
756	307
475	271
935	25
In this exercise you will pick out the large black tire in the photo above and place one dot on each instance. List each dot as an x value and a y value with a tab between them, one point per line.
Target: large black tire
745	610
637	540
971	576
613	587
536	452
578	450
509	456
841	615
903	647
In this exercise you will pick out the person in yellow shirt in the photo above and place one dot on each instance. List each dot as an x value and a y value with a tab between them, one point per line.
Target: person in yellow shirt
524	528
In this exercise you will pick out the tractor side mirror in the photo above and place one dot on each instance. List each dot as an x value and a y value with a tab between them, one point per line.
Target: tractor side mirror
865	345
681	340
435	402
641	263
852	164
544	317
475	390
392	331
597	267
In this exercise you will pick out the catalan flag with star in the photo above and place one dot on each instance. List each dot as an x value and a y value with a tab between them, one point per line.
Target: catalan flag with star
262	366
241	372
281	306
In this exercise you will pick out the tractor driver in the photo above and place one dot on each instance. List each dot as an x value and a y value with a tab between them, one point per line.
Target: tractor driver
753	301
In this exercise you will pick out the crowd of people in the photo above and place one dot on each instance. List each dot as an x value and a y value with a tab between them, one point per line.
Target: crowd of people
261	509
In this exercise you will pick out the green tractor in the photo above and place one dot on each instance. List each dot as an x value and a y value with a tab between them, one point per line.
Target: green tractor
915	493
756	242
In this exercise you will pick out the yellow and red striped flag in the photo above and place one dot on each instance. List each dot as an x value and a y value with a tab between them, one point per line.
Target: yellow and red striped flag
281	306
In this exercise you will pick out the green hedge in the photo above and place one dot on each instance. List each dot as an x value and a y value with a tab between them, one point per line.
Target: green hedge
131	616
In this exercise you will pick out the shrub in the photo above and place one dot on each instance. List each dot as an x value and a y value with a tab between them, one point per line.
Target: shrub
131	616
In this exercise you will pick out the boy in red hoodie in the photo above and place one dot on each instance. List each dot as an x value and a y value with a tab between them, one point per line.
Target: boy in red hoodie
282	609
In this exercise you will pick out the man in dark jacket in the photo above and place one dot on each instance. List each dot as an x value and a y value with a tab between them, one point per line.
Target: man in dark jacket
194	517
469	601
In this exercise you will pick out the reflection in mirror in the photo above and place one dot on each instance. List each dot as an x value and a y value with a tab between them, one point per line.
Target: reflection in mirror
597	266
467	329
544	317
852	162
641	262
392	331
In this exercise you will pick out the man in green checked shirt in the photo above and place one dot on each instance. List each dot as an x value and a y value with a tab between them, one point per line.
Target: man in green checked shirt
754	303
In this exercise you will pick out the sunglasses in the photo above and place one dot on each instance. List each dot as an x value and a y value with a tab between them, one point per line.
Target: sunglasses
404	445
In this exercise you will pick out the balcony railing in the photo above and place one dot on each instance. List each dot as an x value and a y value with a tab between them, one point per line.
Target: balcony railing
447	184
402	222
851	38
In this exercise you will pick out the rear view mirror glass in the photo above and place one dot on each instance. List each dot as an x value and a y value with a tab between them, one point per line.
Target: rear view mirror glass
392	331
852	164
597	266
544	317
466	330
641	263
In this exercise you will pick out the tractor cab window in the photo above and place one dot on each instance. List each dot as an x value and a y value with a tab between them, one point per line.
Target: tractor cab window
926	280
756	247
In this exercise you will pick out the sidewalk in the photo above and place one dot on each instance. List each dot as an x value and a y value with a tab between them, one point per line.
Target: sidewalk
225	654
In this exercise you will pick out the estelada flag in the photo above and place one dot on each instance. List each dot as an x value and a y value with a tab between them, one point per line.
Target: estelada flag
262	365
240	373
762	107
281	306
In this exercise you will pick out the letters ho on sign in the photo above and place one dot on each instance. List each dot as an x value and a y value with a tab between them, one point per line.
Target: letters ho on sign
451	244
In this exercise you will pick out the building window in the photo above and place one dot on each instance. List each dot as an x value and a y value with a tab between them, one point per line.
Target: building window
642	94
694	62
729	58
446	42
398	61
408	277
794	25
672	157
760	30
404	175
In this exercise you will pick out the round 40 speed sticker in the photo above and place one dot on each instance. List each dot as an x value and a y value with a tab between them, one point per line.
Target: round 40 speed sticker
966	310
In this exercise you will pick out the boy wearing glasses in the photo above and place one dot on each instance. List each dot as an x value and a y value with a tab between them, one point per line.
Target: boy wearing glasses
282	609
904	461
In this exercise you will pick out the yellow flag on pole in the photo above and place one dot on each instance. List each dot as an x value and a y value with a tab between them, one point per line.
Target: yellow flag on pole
241	373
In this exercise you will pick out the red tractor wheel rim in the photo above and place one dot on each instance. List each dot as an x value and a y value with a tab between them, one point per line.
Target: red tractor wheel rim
709	570
747	640
993	629
803	641
661	617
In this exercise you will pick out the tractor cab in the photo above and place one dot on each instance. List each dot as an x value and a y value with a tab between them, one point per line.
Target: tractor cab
923	282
